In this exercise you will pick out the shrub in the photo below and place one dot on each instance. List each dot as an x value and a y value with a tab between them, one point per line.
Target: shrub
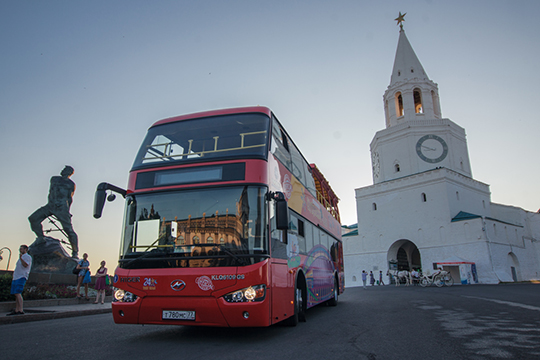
42	291
5	288
48	291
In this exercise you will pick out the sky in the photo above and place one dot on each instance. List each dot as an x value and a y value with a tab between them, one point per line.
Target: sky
81	82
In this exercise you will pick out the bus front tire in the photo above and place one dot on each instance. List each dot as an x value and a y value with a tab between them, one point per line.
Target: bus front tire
299	307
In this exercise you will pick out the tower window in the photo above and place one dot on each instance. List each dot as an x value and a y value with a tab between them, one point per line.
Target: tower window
418	108
424	197
386	113
399	105
457	195
374	206
436	109
397	168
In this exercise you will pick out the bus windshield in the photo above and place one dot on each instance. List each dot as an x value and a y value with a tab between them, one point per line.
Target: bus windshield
195	228
210	138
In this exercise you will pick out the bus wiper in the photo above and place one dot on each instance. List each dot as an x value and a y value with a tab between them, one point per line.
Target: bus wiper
140	257
233	255
146	254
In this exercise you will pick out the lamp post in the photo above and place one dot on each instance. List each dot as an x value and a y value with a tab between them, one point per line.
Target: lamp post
9	258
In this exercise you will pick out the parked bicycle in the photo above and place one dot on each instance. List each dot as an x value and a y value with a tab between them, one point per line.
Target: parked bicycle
441	278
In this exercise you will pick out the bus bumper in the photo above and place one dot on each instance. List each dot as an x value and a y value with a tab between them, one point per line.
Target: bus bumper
209	311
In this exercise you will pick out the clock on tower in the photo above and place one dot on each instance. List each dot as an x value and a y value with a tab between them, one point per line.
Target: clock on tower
431	148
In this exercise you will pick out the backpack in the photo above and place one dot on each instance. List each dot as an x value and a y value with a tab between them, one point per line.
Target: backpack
75	270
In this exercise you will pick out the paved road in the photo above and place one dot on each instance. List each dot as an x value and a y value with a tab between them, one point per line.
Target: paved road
461	322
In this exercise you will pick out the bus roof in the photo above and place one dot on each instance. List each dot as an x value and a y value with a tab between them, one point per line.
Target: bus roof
239	110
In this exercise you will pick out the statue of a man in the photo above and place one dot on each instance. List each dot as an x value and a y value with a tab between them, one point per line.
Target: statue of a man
61	193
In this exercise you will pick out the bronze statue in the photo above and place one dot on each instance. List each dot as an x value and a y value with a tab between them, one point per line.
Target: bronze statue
61	193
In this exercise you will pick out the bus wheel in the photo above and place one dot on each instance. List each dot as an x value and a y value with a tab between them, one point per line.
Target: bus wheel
334	300
299	312
301	301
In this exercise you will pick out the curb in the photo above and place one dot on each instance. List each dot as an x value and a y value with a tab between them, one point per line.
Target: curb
6	306
49	309
4	320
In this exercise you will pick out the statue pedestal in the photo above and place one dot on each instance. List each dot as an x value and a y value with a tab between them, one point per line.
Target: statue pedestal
48	256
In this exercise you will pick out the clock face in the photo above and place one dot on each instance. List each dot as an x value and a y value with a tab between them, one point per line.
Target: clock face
431	148
376	164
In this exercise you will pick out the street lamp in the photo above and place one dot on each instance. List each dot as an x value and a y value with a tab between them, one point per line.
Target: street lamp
9	258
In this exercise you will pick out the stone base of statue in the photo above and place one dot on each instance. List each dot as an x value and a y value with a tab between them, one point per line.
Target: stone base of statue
48	256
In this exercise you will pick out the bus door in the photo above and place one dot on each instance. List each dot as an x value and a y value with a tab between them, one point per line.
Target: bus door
282	293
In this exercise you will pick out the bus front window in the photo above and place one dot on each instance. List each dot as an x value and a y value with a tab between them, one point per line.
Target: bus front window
195	228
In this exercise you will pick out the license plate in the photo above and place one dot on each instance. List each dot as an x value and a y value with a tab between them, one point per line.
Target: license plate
178	315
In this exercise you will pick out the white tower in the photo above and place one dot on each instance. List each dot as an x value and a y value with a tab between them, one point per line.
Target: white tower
424	209
416	138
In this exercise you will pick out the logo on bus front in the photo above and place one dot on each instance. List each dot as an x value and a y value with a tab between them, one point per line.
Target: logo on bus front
205	283
149	284
178	285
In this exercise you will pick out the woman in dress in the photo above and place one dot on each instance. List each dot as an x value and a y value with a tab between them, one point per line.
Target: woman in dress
84	266
100	283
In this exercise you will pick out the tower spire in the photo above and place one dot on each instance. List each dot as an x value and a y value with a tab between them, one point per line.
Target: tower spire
411	95
400	19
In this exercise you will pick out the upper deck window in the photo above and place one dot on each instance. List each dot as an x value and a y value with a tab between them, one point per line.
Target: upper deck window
211	138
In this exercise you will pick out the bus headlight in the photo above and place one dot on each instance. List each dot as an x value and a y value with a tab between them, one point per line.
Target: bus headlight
249	294
124	296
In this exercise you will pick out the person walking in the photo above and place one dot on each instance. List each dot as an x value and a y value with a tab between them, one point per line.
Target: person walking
84	266
380	278
20	275
364	278
371	278
100	283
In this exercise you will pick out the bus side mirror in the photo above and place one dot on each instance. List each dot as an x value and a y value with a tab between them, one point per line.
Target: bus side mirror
101	195
99	202
282	212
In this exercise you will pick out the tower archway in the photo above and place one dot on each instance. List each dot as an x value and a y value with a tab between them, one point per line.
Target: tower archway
406	254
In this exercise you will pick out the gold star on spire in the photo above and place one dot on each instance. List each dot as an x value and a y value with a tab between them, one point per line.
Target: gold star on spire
400	19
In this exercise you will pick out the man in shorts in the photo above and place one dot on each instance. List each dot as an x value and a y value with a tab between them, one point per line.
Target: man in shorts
20	275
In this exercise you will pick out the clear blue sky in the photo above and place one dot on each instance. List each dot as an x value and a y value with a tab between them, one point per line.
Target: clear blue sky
81	81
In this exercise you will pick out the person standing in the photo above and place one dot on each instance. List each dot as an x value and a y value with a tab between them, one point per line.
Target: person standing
364	278
380	278
84	266
371	278
100	283
20	275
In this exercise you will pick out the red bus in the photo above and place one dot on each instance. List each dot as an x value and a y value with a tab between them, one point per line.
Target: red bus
225	224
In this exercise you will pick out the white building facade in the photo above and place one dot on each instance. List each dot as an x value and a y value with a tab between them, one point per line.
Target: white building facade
424	209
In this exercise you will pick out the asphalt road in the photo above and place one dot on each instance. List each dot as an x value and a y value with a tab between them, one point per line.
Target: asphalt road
460	322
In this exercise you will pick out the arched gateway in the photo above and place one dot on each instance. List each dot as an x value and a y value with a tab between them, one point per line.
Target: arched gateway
405	254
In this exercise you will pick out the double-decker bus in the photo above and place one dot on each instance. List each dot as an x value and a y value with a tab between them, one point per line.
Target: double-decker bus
225	224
